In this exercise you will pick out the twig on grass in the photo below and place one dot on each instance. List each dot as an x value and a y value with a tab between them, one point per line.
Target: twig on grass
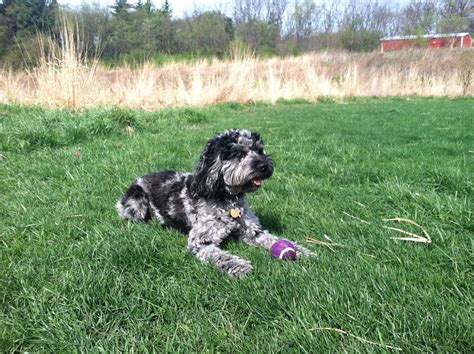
368	255
322	243
356	218
414	237
338	330
332	244
328	238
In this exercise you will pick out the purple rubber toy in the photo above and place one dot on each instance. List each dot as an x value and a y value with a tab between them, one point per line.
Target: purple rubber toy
283	249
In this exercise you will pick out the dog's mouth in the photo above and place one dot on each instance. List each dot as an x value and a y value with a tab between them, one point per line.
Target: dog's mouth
257	182
252	185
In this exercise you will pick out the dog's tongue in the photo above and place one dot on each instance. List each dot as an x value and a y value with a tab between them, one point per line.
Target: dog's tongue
257	182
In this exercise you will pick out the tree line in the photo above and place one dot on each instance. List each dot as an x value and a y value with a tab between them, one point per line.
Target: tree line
145	30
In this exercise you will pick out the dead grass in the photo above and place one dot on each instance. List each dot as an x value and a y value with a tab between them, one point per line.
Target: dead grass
64	80
340	331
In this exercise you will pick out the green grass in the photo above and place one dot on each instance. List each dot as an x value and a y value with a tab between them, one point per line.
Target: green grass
76	277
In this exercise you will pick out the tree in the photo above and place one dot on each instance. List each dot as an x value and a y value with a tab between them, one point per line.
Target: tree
207	33
166	9
275	10
331	11
456	16
248	10
94	20
418	17
259	23
21	19
120	7
302	22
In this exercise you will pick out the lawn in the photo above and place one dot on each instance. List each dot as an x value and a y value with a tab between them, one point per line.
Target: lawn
76	277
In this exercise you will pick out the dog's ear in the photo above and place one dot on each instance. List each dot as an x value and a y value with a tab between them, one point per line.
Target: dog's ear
255	136
208	181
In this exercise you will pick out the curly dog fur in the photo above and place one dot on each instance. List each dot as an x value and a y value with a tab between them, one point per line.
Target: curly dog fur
210	204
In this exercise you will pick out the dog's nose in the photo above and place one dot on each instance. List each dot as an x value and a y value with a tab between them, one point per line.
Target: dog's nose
265	167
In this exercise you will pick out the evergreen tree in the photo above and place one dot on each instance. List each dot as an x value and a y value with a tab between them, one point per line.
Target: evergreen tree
166	9
20	19
120	7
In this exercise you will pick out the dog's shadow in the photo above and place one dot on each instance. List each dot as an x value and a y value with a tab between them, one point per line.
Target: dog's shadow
270	221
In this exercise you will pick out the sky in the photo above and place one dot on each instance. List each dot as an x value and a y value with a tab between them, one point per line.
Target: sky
180	7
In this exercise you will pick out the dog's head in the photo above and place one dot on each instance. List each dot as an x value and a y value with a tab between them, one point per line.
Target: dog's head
232	162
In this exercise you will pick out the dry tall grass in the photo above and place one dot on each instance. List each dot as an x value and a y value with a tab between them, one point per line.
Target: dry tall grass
64	80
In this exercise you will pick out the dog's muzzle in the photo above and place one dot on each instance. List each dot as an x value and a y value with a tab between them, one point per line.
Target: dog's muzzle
262	168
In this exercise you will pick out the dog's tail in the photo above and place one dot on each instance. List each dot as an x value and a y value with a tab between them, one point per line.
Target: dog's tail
135	204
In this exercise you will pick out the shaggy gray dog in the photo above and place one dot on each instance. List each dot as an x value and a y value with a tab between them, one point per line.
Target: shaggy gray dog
210	204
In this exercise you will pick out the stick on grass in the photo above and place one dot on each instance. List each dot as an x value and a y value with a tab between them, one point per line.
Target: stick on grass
356	218
414	237
322	243
338	330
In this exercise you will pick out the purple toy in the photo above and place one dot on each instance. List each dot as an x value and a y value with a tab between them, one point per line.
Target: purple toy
283	249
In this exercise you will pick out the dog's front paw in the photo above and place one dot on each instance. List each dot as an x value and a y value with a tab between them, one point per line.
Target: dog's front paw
239	268
304	252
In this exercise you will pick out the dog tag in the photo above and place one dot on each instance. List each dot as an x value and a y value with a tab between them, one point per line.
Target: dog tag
235	213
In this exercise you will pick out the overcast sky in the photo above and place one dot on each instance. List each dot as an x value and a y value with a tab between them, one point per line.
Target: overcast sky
180	7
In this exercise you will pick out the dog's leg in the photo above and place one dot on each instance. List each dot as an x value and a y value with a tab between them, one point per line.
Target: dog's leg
134	205
233	265
266	240
201	246
253	234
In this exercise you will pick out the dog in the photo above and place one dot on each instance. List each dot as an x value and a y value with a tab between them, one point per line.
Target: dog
210	204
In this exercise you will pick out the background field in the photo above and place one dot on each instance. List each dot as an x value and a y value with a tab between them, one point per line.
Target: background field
65	80
75	276
66	77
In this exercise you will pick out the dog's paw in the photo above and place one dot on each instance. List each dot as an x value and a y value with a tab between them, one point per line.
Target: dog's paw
239	268
304	252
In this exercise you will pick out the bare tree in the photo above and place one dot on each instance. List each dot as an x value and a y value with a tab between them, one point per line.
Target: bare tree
331	11
275	10
302	22
456	7
456	16
248	10
419	17
380	16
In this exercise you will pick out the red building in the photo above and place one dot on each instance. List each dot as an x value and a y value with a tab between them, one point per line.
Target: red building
450	40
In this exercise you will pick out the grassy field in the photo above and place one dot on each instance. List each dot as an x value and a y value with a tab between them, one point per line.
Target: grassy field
76	277
67	81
